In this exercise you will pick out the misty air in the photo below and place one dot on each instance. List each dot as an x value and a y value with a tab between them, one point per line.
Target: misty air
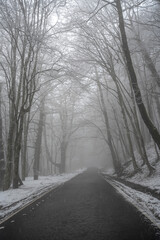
79	119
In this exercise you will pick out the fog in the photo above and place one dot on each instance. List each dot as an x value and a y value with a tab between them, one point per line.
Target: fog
79	86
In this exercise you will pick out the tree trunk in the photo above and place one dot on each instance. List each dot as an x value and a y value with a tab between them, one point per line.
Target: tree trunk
17	149
157	153
2	163
124	147
38	142
138	135
122	106
9	157
48	155
24	146
141	140
148	61
63	156
152	129
116	163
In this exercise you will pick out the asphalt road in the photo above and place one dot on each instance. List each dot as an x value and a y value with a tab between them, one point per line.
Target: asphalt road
85	208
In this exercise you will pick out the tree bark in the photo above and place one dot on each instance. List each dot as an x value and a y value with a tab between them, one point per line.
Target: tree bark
2	163
50	155
116	163
63	156
9	157
24	146
17	149
125	150
148	61
38	142
123	108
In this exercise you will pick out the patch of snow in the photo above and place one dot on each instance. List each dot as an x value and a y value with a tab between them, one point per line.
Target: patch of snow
14	199
145	203
143	177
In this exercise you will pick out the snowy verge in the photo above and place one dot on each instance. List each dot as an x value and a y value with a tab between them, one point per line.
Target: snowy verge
142	178
14	199
141	189
145	203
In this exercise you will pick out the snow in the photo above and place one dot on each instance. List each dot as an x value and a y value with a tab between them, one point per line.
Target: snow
145	203
14	199
143	178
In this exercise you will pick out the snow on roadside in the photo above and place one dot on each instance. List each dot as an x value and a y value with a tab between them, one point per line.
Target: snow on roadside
14	199
152	181
145	203
143	178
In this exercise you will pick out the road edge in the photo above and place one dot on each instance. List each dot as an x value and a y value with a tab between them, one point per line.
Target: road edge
10	215
130	200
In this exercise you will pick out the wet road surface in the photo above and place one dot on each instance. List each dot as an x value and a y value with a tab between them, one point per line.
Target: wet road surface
85	208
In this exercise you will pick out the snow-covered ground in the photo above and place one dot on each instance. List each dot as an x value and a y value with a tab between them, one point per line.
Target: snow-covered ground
143	178
147	204
13	199
153	181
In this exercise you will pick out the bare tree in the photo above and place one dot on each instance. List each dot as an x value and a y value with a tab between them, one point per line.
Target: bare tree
2	163
152	129
38	142
24	26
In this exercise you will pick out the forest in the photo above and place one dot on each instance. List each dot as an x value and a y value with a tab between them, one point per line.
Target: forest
79	86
